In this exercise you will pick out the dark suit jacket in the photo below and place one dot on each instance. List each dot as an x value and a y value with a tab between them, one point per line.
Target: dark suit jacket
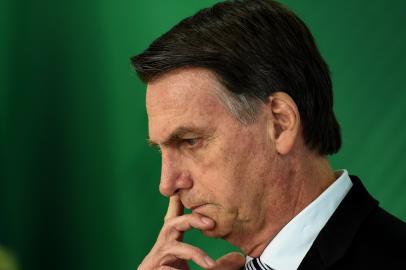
359	235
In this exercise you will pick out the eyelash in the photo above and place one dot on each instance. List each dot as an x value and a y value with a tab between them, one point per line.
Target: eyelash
190	143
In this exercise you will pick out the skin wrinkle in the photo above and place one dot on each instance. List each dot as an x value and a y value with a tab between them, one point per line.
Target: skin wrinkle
249	188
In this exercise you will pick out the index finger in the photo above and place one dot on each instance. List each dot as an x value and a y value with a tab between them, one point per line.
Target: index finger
175	208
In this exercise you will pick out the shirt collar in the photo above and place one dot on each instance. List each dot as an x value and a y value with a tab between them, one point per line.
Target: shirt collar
287	250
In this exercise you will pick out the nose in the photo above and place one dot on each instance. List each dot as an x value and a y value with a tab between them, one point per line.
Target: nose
174	177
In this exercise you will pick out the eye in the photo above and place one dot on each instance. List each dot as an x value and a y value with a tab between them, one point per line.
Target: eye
191	142
157	148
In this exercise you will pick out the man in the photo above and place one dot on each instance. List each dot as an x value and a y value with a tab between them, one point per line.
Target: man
239	101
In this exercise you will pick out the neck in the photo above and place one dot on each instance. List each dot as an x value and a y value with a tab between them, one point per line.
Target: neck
295	188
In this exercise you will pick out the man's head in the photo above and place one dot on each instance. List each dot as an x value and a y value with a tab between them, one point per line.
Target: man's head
238	97
254	48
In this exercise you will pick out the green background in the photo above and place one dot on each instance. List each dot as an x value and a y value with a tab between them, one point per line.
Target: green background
78	183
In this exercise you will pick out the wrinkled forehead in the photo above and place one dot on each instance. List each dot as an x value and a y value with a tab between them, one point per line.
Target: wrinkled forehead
181	87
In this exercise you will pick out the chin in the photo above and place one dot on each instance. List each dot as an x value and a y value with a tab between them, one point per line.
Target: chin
217	232
223	227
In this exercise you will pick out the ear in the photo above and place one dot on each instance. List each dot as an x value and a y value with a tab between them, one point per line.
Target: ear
284	121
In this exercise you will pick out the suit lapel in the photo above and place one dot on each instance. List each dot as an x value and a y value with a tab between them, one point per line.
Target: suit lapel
336	236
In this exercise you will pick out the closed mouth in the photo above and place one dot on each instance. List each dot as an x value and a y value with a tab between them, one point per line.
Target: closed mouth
197	206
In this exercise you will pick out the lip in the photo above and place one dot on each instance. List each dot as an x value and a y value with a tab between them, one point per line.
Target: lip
193	208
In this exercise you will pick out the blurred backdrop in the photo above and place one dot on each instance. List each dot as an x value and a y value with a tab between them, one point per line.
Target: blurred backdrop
78	183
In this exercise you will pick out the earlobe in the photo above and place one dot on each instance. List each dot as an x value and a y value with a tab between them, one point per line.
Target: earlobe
284	121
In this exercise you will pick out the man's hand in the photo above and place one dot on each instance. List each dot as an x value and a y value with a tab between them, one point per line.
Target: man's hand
231	261
169	252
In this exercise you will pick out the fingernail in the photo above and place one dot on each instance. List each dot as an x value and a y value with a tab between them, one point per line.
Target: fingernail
209	261
206	220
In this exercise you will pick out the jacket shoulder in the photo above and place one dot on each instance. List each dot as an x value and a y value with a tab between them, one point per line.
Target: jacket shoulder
383	229
379	242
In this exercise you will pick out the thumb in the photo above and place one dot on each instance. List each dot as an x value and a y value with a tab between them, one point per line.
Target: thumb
230	261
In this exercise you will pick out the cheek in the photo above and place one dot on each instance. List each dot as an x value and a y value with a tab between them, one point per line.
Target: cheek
247	168
228	170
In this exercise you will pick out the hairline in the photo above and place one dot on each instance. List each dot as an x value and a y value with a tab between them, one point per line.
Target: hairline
242	106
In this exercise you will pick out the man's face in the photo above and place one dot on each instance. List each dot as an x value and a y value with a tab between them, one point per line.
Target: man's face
218	166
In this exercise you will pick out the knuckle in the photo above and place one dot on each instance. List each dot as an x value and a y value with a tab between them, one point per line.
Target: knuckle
169	222
166	236
167	226
166	218
196	253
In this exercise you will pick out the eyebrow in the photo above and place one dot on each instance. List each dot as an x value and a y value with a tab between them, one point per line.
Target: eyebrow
177	135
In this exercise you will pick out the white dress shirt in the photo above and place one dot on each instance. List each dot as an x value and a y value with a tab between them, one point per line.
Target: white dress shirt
287	250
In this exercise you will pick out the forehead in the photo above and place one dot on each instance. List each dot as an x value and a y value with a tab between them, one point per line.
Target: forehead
183	97
180	86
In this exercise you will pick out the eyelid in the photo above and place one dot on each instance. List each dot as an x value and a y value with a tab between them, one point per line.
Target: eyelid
187	140
154	146
157	147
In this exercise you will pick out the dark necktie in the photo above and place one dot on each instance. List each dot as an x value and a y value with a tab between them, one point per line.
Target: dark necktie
257	264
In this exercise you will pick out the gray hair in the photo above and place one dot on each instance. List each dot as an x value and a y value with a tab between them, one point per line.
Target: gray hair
243	107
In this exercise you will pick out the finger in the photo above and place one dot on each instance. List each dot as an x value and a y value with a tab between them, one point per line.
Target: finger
186	222
230	261
186	251
175	208
173	227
